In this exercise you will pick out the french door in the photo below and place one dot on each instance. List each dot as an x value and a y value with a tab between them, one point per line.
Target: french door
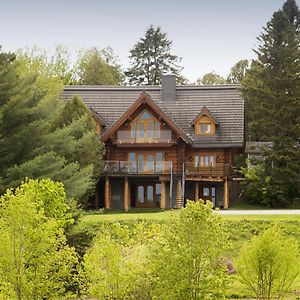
146	163
145	195
209	193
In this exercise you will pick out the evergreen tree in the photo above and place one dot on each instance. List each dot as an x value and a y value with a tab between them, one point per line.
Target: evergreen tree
272	92
36	140
292	11
151	57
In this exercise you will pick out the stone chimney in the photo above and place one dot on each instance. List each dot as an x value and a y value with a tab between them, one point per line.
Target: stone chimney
168	88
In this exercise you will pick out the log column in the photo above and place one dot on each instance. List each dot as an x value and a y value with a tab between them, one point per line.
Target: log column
197	191
126	194
226	194
163	200
107	193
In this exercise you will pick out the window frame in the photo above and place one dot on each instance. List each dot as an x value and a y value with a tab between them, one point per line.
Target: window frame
152	121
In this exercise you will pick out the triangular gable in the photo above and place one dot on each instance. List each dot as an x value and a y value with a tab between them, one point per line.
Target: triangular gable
97	117
144	99
205	112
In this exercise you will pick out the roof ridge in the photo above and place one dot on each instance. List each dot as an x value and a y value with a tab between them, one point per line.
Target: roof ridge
151	87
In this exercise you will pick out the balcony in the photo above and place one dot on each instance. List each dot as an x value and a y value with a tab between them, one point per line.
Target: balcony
137	168
125	137
219	170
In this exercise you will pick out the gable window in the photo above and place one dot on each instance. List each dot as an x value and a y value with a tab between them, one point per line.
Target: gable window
145	128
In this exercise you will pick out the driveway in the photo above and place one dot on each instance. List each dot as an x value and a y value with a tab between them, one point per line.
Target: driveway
261	212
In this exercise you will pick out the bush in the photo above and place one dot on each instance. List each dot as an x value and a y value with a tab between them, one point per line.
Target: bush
269	264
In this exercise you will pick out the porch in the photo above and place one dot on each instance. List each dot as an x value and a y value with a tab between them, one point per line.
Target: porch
162	191
126	192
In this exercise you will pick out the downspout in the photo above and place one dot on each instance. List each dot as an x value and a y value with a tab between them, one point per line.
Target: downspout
171	185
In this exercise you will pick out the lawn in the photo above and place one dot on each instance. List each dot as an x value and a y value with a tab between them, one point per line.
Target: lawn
240	229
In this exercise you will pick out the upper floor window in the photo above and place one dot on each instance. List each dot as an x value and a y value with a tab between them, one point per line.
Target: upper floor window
205	128
145	128
205	123
205	161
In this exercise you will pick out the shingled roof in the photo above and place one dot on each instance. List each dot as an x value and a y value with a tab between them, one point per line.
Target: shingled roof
223	101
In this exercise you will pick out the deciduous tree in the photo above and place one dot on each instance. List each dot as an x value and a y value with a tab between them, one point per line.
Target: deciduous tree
99	67
186	260
211	78
35	261
238	71
269	264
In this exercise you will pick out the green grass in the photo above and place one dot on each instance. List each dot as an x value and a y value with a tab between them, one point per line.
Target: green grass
240	228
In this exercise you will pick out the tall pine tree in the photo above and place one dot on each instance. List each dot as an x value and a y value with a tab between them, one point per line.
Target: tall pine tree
272	92
151	57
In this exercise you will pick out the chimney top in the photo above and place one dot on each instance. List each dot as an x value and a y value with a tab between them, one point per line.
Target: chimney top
168	88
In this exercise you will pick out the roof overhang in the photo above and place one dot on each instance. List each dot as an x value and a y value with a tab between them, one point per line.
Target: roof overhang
204	112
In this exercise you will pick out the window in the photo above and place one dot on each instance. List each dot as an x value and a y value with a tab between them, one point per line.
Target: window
205	161
206	192
140	194
205	128
144	162
145	128
150	193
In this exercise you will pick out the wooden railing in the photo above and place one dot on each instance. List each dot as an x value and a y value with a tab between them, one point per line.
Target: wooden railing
136	167
124	137
219	169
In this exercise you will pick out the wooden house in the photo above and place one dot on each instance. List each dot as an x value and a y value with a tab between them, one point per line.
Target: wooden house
165	144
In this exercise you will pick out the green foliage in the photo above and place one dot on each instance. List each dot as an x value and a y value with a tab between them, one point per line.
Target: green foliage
272	90
54	64
115	265
35	261
42	137
99	67
211	78
186	260
151	57
238	71
269	264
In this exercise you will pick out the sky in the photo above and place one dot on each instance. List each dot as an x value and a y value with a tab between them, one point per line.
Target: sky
208	35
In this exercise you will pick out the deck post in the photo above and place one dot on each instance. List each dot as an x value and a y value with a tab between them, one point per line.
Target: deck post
126	194
163	200
226	199
107	193
197	191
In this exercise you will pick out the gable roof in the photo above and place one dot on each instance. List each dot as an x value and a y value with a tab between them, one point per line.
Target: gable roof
204	112
97	117
144	98
224	102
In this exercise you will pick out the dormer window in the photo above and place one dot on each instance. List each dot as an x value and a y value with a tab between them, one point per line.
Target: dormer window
204	123
145	128
205	128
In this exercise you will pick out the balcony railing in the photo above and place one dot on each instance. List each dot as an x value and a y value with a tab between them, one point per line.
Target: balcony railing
218	169
136	167
165	136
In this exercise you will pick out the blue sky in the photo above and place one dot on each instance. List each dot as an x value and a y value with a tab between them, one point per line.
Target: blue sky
209	35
